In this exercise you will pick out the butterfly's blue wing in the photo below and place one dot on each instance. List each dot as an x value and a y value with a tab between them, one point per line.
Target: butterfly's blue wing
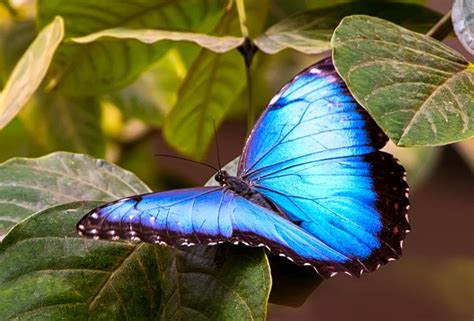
206	215
314	154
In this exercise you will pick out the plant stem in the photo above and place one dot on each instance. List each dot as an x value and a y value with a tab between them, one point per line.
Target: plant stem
442	28
242	18
251	112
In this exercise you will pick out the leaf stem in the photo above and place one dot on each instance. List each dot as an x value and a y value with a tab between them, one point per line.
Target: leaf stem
442	28
242	18
251	112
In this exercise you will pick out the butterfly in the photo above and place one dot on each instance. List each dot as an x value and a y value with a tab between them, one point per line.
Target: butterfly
311	185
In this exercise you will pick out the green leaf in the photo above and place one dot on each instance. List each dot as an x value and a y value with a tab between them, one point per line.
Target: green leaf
30	71
151	97
48	272
31	185
15	141
417	89
108	64
204	98
218	44
14	40
210	88
463	23
65	123
310	31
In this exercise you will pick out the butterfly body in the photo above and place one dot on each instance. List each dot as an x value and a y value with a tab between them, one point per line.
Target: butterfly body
311	185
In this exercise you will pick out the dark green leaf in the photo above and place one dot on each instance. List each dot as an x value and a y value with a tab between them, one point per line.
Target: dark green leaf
30	71
59	122
463	23
310	31
418	90
48	272
106	65
31	185
14	40
218	44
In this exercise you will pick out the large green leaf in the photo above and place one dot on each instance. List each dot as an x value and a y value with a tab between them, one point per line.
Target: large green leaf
212	84
48	272
107	64
151	97
31	185
214	43
418	90
204	98
59	122
30	71
310	31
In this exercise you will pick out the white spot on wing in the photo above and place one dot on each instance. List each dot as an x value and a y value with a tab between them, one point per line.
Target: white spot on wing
275	98
315	71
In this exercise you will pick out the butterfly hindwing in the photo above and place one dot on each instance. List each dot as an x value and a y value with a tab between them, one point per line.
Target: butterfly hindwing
315	154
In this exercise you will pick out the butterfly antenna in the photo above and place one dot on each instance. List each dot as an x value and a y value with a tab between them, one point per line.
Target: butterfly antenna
189	160
217	146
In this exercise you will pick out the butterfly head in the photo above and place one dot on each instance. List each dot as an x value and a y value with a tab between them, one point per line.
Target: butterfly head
221	176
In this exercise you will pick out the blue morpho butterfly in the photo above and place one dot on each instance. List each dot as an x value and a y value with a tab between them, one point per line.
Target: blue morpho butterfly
311	185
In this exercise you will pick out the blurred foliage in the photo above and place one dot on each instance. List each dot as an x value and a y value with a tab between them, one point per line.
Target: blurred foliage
112	96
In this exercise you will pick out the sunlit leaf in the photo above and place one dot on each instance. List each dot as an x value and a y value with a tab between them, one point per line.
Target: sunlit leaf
109	64
29	71
214	43
418	90
463	23
310	31
151	97
65	123
49	272
209	90
204	99
31	185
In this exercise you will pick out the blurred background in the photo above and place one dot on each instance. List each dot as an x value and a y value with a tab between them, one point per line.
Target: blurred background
434	281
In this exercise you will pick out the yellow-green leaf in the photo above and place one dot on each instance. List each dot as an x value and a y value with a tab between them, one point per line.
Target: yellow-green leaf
30	71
